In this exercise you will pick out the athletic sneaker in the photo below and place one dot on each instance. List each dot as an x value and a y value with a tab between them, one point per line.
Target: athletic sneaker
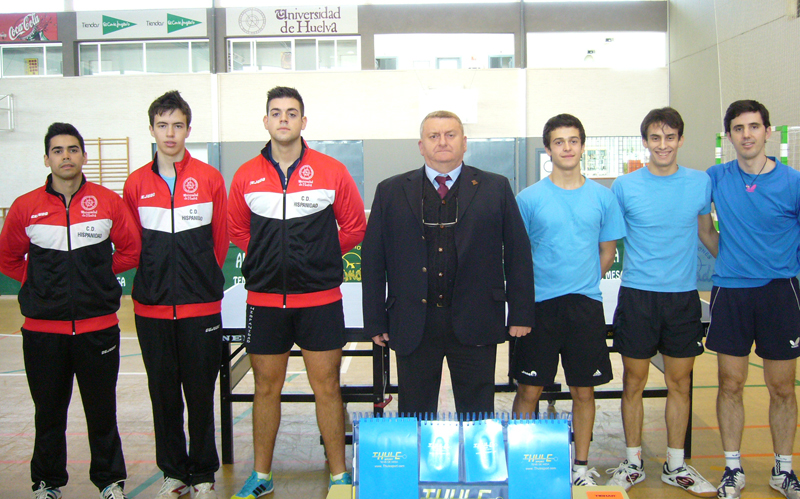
585	479
626	475
347	479
45	492
113	491
785	483
204	490
172	488
732	484
689	480
254	487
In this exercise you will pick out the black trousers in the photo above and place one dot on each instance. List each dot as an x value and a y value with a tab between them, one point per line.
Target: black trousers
182	359
51	362
472	368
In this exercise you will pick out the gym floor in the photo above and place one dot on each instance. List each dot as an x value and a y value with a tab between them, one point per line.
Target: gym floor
299	467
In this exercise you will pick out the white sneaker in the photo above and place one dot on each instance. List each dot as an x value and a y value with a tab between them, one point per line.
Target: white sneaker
585	479
689	480
204	490
731	484
626	475
785	483
113	491
45	492
172	488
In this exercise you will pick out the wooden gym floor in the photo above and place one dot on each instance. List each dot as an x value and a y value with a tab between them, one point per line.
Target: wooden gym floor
299	468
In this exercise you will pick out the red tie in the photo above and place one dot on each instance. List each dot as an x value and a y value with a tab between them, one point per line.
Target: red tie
442	190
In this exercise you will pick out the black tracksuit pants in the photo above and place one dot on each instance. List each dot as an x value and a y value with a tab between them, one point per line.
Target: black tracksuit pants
51	362
182	361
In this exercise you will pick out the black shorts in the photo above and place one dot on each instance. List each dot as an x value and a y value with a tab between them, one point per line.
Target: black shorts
647	322
273	330
768	315
573	326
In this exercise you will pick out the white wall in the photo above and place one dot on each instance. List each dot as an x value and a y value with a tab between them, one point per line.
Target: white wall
386	104
360	105
609	49
415	50
725	50
366	105
607	101
99	107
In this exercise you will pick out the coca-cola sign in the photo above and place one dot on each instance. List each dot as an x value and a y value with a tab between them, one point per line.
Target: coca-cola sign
31	27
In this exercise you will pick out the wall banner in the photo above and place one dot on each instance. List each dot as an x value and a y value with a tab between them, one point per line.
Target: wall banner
290	21
29	27
142	24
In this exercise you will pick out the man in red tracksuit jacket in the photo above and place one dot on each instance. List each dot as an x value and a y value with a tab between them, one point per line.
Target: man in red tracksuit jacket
180	206
70	297
285	206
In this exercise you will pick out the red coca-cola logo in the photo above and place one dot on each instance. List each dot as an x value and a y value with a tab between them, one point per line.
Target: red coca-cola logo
26	26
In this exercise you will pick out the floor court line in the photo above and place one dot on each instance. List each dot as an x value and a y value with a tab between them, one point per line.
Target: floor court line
145	485
348	359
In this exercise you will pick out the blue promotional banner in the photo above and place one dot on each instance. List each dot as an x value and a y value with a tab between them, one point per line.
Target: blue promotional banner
388	458
484	451
401	458
539	452
439	451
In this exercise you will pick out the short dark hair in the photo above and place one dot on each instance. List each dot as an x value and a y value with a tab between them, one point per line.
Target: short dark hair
169	102
61	129
562	121
745	106
665	116
280	92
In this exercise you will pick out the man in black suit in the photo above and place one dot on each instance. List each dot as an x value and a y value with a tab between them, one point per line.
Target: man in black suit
443	237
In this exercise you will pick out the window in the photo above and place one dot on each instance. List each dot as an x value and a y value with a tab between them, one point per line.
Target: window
305	56
31	60
174	56
273	55
448	63
294	54
239	57
386	63
501	61
167	57
122	58
593	49
444	50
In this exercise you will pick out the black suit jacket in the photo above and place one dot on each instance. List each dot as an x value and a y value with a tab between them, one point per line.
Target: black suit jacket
491	242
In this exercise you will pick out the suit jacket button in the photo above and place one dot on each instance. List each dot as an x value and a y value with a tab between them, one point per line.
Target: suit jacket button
424	300
423	238
424	269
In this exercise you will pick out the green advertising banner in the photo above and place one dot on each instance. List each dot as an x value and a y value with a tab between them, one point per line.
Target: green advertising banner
8	286
351	268
615	272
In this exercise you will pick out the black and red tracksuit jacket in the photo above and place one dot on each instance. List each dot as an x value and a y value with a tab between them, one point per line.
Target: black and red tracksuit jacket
184	239
293	246
68	281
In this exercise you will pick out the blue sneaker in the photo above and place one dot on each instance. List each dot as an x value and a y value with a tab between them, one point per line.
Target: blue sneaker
254	487
346	479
